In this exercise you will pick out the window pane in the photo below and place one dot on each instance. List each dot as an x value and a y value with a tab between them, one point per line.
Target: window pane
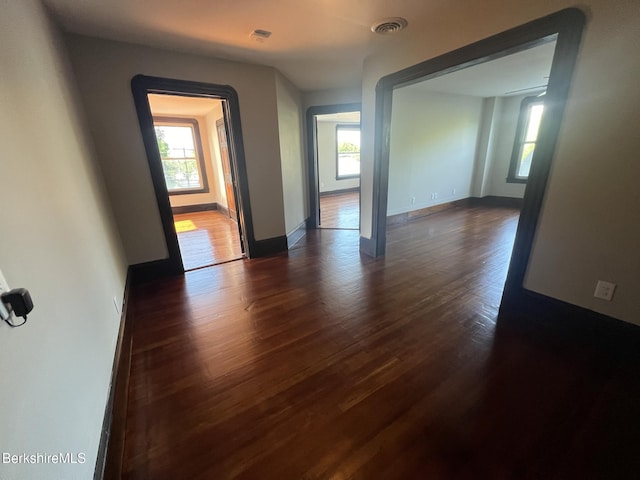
348	151
535	114
179	163
525	159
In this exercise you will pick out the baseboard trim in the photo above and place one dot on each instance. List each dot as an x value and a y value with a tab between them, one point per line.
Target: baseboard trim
269	246
297	234
222	209
540	315
111	447
339	192
202	207
495	201
148	271
368	246
424	212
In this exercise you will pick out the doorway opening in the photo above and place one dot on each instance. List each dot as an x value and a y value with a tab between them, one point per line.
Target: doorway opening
565	29
192	136
454	141
334	166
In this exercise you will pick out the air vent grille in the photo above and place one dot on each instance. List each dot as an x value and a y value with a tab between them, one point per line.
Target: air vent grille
260	35
388	26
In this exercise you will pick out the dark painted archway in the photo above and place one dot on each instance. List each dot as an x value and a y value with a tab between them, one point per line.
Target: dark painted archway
141	86
567	26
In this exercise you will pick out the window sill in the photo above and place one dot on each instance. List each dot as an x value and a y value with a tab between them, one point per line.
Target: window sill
188	192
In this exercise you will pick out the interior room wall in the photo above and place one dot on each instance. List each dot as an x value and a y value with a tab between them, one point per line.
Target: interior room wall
590	223
104	70
327	151
507	112
212	134
337	96
432	149
294	174
59	240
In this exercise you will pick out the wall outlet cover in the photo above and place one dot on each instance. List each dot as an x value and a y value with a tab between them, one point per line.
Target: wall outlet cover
604	290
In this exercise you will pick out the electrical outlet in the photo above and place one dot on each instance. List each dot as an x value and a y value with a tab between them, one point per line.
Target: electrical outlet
604	290
435	196
453	191
413	200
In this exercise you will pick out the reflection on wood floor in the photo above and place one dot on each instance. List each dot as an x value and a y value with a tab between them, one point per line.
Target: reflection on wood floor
325	363
207	238
341	210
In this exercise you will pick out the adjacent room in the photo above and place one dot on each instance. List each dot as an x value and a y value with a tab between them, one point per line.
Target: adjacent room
192	142
338	164
460	150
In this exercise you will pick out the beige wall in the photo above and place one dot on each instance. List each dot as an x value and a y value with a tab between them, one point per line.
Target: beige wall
294	173
590	224
104	70
432	148
211	118
331	97
58	240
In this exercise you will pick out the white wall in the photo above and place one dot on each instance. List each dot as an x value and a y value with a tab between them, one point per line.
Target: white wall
104	70
327	166
590	223
58	240
432	149
507	112
294	173
212	133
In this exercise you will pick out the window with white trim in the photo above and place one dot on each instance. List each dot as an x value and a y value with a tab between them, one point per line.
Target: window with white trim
348	151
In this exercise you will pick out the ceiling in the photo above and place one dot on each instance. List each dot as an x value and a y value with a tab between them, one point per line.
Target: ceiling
317	44
519	73
346	117
179	105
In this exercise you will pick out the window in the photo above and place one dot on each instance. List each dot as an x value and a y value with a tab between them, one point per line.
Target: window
526	136
348	140
181	154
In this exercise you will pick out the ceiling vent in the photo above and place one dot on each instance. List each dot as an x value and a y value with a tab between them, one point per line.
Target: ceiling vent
260	35
387	26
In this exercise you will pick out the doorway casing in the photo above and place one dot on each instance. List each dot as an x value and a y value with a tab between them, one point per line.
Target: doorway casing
141	86
312	154
566	26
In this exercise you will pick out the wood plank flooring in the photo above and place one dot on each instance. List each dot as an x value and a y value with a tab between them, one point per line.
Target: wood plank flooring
325	364
206	238
341	210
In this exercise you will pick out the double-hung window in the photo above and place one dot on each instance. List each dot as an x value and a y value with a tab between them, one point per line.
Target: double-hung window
348	155
526	137
181	154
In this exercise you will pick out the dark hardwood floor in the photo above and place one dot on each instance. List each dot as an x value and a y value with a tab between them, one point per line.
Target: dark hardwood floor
326	364
207	238
340	210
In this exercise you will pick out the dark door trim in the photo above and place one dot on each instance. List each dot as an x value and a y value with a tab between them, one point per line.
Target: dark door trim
312	154
566	26
141	85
